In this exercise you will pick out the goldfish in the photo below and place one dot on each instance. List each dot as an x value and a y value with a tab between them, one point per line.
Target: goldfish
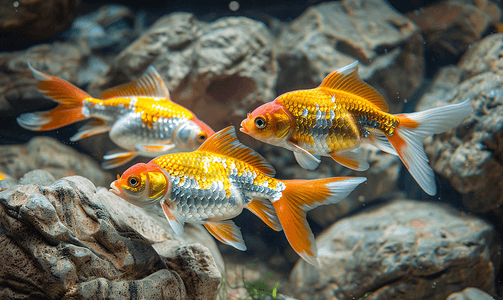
341	114
213	184
140	117
2	177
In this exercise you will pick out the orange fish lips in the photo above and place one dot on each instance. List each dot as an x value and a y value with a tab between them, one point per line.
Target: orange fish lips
245	124
114	189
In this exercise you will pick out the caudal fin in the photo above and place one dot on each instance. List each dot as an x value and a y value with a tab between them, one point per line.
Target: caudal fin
414	128
61	91
299	197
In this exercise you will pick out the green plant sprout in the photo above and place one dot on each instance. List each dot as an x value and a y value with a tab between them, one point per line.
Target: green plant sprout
259	289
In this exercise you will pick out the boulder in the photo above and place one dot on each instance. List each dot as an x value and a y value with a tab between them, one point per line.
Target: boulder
327	36
403	249
469	156
68	240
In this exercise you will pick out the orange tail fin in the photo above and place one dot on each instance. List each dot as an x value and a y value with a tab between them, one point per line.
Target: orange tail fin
298	198
61	91
414	128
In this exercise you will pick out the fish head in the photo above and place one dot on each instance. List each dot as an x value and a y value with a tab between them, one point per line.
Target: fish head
142	184
189	135
270	123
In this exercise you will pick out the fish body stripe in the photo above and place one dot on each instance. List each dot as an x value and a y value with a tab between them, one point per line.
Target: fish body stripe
150	108
208	186
327	121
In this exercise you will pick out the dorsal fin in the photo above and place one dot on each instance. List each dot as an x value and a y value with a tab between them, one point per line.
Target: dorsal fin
225	142
150	84
346	79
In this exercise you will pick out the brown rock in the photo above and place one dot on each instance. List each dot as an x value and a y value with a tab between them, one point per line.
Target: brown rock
450	27
69	241
401	250
470	155
331	35
50	155
18	91
24	22
219	70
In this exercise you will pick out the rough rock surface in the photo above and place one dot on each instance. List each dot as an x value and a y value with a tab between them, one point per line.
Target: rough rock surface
68	240
18	91
219	70
52	156
471	156
450	27
402	250
470	294
331	35
26	21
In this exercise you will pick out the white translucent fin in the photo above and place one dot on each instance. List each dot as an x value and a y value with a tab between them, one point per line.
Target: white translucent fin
226	232
355	159
93	127
264	209
116	159
175	220
379	140
154	148
414	128
305	159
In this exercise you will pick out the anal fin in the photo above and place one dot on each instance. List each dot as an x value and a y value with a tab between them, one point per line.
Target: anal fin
227	232
264	209
93	127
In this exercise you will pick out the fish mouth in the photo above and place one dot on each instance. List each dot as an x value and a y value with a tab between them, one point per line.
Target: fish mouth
243	128
114	189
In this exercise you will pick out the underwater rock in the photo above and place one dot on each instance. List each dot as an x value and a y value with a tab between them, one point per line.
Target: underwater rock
68	240
111	28
328	36
51	156
24	22
470	155
404	249
219	70
18	90
470	294
450	27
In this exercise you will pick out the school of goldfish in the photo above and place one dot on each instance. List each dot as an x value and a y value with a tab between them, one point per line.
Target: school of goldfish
199	176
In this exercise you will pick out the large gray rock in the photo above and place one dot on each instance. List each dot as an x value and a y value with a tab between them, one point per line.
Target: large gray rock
469	156
68	240
51	156
331	35
18	90
219	70
402	250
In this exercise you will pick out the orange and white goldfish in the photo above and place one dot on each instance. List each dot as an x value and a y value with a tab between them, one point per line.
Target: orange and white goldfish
335	118
214	183
139	116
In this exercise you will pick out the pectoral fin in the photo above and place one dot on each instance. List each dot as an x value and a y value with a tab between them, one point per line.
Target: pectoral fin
117	159
354	160
175	220
154	148
305	159
227	232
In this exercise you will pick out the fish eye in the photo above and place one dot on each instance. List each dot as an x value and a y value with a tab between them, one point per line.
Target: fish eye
133	181
260	122
201	137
